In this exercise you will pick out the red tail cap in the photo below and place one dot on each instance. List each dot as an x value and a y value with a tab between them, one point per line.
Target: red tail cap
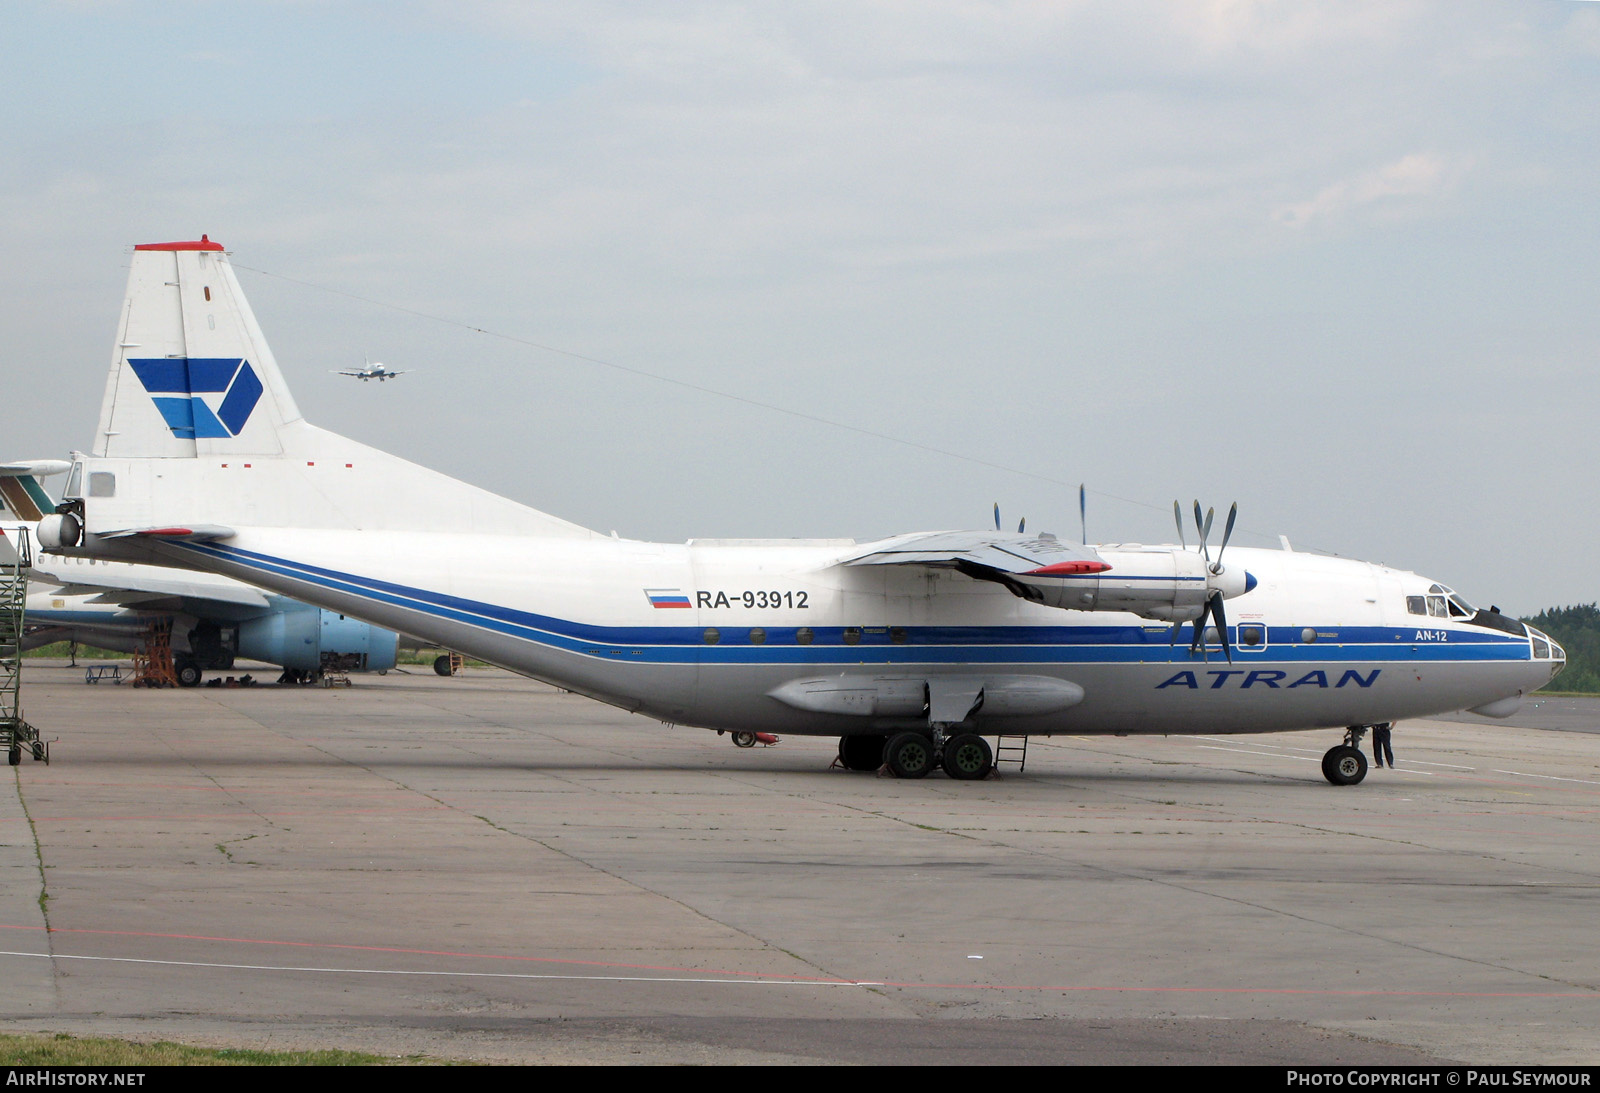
203	243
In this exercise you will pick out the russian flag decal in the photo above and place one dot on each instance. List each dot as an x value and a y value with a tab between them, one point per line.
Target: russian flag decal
666	597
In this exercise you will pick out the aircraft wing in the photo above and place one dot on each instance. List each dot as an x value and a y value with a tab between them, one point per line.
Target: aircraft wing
116	584
990	553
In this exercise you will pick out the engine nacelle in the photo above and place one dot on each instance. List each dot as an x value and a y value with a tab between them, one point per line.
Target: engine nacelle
312	639
1155	582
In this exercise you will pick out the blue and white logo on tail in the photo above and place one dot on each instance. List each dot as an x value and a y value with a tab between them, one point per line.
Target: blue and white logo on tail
200	397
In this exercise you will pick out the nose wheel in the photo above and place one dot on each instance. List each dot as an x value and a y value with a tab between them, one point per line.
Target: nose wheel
1344	765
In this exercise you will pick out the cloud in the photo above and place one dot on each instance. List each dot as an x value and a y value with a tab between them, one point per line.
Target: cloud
1418	176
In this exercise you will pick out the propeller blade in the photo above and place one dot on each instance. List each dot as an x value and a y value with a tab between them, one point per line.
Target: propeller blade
1227	533
1222	624
1177	517
1022	523
1083	513
997	516
1204	528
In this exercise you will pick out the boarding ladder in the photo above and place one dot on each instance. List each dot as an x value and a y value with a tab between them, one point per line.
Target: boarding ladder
16	558
1011	749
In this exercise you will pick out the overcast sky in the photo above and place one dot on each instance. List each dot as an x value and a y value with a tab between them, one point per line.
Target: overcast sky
1335	261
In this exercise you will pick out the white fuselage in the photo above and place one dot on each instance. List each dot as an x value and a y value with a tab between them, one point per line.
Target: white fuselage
704	633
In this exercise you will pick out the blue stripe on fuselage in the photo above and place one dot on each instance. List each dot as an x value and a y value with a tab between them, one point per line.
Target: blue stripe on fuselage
923	644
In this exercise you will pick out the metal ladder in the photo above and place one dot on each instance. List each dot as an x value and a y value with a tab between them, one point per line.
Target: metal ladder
16	558
152	660
1011	749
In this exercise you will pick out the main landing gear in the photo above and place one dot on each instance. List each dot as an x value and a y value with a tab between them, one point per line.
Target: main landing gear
966	757
1345	765
187	672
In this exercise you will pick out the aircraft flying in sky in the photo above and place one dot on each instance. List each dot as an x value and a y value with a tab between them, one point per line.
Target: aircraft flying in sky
910	649
372	370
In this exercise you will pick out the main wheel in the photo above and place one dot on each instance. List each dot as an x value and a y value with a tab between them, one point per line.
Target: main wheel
744	739
14	756
861	752
968	757
189	674
909	755
441	665
1344	765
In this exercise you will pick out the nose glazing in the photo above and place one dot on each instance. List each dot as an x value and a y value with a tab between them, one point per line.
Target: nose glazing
1544	648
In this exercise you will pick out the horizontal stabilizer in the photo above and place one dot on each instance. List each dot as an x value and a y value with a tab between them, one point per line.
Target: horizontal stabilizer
148	579
41	468
180	533
128	599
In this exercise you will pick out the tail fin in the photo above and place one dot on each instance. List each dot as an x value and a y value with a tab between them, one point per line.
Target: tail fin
198	427
20	492
192	374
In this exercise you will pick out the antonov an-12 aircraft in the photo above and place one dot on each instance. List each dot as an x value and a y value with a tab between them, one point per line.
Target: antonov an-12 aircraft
910	649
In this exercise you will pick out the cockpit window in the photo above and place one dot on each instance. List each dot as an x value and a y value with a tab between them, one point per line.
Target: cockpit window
1440	605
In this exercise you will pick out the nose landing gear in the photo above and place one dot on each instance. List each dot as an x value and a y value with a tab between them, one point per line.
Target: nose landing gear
1344	765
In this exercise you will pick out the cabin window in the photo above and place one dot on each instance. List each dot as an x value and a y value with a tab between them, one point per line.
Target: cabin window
852	635
102	484
711	636
805	635
1250	635
758	636
898	635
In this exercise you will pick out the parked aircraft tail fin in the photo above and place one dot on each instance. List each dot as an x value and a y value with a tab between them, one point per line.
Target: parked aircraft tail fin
21	495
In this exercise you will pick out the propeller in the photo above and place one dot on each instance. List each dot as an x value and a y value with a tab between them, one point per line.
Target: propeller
1021	524
1214	599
